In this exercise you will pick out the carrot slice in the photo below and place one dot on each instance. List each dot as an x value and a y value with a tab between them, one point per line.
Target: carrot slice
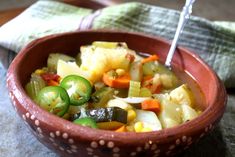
151	105
150	59
52	83
121	129
118	82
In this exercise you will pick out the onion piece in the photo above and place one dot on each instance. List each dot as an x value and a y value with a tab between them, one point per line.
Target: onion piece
133	100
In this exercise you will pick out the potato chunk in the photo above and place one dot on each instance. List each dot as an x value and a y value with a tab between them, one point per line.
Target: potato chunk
182	95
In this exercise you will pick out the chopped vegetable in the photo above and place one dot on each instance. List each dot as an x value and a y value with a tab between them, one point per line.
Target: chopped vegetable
121	129
101	97
151	105
188	113
109	45
79	89
108	86
113	80
150	59
99	85
170	114
131	115
87	121
119	103
113	125
53	60
35	85
51	79
97	60
145	92
149	120
108	114
134	89
53	99
133	100
182	95
152	83
149	69
136	71
71	68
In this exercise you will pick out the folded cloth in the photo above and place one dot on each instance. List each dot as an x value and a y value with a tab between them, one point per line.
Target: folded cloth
212	42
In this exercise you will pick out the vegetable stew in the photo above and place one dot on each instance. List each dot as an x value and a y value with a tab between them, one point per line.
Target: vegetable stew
109	86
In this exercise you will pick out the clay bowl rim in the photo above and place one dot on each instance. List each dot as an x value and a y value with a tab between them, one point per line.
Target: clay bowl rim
205	119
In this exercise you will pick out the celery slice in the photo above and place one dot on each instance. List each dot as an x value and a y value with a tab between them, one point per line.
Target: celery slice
134	89
145	92
34	86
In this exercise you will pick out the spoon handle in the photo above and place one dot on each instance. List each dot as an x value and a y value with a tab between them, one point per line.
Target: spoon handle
184	16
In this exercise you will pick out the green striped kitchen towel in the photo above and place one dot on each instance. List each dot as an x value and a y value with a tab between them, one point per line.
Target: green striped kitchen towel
213	42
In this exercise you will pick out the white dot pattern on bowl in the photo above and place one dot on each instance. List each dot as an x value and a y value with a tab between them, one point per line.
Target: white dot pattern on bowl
51	139
39	130
71	141
89	149
102	143
172	147
65	135
74	147
32	117
149	146
69	148
74	150
52	135
61	148
110	144
116	149
202	135
133	153
69	151
116	155
177	142
184	138
138	149
210	126
94	144
23	116
36	122
27	115
57	133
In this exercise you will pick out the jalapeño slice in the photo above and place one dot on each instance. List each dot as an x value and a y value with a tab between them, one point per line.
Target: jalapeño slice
78	88
86	121
53	99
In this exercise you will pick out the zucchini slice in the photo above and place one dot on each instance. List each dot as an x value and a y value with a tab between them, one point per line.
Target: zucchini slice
108	114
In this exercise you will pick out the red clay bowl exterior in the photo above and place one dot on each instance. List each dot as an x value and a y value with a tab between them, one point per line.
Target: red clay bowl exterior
68	139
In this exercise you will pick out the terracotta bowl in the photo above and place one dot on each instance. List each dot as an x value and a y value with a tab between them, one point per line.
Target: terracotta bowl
68	139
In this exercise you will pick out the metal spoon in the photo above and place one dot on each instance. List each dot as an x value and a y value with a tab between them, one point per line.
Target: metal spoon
184	16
